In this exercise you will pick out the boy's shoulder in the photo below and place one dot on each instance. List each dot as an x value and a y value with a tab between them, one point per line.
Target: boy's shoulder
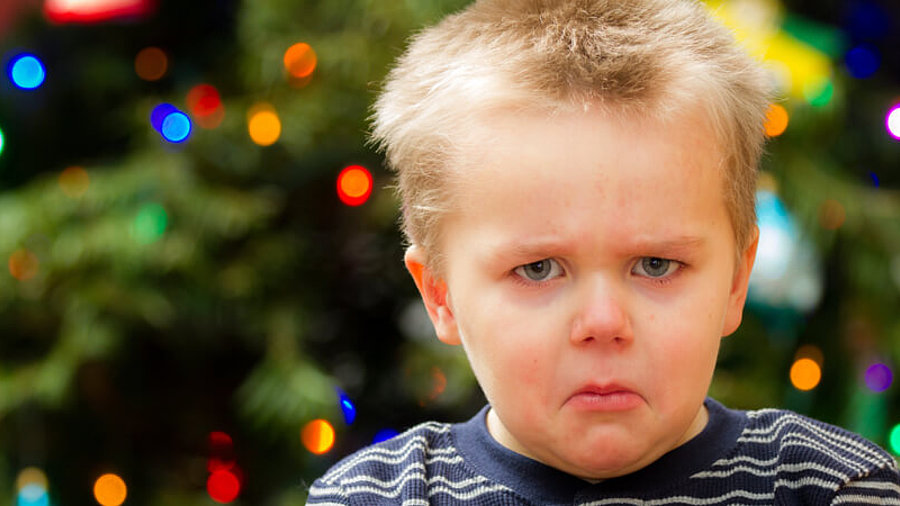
793	437
799	455
404	469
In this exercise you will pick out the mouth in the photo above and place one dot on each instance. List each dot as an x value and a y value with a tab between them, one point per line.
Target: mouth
604	398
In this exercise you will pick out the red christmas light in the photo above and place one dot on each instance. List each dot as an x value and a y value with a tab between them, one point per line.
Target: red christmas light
354	185
205	105
221	452
223	486
95	11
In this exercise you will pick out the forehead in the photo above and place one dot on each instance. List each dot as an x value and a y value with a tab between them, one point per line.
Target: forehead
583	174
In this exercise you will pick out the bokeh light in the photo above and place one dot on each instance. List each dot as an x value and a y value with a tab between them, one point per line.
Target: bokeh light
894	439
176	127
874	177
2	140
95	11
159	113
219	439
832	214
805	374
819	93
223	486
151	63
31	487
23	264
263	124
318	436
32	475
149	224
27	72
892	122
347	408
173	124
32	495
300	60
879	377
354	185
74	181
384	435
221	452
862	61
438	382
205	105
110	490
776	120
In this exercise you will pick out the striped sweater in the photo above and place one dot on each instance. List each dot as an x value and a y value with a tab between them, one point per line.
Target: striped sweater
749	458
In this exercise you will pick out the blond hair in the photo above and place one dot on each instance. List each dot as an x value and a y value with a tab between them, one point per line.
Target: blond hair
633	58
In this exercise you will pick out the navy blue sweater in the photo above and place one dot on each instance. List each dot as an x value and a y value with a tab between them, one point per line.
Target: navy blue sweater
756	457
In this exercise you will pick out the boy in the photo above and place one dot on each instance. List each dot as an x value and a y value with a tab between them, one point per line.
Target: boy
577	180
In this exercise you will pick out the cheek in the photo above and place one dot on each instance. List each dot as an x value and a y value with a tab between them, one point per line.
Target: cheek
683	338
505	345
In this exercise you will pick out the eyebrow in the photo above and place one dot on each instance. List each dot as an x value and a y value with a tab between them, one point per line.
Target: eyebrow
542	247
673	243
529	248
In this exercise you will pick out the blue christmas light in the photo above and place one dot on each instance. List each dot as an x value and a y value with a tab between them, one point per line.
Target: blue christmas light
875	180
862	61
348	409
384	435
176	127
32	495
159	113
26	71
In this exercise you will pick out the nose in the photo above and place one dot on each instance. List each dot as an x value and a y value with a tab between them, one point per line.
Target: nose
601	314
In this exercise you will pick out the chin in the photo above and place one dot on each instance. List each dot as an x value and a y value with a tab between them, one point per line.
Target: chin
602	464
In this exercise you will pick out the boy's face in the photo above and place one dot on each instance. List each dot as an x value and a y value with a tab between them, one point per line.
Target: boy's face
589	274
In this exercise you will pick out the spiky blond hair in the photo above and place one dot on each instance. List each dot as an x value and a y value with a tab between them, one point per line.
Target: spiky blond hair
631	58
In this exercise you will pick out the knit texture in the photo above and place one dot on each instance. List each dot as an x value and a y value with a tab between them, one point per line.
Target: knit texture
742	457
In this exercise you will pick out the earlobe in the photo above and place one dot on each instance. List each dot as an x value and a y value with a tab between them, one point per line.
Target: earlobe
434	294
739	285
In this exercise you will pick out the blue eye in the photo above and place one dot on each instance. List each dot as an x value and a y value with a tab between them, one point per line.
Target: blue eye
655	267
542	270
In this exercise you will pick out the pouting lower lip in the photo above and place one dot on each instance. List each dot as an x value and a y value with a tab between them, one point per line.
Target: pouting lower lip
593	399
603	390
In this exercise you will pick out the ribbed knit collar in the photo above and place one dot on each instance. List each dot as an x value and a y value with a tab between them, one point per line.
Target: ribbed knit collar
542	484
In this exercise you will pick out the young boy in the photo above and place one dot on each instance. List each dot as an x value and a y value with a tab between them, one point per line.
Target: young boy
577	180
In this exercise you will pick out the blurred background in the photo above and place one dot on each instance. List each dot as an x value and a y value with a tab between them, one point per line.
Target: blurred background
203	300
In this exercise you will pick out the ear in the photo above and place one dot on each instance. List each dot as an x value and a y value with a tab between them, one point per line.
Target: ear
739	285
434	295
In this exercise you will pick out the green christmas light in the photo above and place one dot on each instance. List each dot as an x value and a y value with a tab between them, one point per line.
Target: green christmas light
149	224
819	94
894	439
1	141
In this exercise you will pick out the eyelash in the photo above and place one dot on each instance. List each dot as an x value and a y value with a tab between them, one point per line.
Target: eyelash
660	282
